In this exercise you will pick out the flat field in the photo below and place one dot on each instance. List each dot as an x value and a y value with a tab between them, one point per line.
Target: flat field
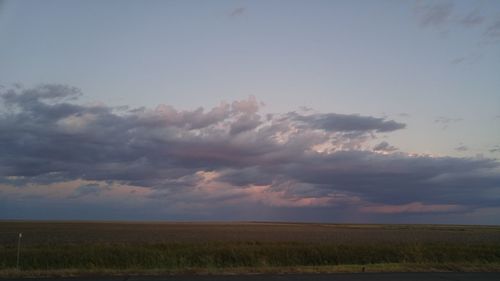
49	248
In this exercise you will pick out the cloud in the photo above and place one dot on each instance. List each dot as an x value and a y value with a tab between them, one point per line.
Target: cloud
384	147
348	123
394	178
414	207
446	121
237	12
461	148
230	161
244	123
458	60
87	189
449	21
493	31
495	149
472	19
434	13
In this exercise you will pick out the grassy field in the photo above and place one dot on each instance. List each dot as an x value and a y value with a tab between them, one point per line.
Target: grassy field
64	248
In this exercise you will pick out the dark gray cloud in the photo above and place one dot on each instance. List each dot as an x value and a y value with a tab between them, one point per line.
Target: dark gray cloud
393	179
97	143
390	178
230	153
348	123
384	147
244	123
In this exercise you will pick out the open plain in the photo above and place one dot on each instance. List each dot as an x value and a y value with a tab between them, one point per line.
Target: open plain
157	248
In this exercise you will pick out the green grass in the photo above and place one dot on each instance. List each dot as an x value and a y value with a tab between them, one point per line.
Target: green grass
65	249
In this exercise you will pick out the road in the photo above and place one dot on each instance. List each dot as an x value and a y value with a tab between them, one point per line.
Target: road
304	277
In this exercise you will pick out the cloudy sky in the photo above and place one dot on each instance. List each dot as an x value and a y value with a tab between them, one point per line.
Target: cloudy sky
335	111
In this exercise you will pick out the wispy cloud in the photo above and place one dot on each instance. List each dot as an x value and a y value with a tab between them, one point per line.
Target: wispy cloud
444	121
493	31
237	12
433	13
458	60
447	19
472	19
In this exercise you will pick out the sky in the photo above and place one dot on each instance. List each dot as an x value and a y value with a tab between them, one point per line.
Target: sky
334	111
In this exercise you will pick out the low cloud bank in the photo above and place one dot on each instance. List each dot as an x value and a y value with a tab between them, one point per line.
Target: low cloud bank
230	157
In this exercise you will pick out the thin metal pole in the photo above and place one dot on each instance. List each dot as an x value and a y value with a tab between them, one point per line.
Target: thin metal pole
18	249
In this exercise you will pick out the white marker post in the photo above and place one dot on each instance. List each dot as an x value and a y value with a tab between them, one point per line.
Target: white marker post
18	249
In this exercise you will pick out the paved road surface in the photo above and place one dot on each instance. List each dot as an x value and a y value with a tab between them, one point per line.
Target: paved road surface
307	277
